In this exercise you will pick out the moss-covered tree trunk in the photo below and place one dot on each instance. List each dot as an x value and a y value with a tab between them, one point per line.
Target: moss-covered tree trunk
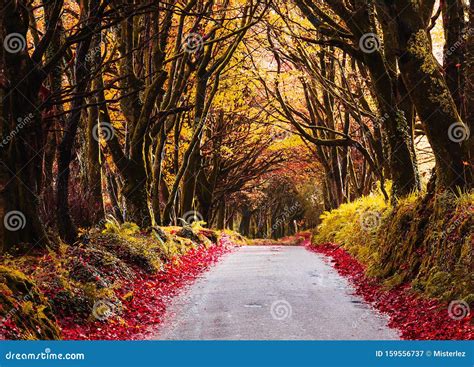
381	66
94	176
433	101
189	182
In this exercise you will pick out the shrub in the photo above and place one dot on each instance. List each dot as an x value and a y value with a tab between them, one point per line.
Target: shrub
69	282
423	239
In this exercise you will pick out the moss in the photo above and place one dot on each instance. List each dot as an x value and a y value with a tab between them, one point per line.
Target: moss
96	261
211	235
150	250
234	237
355	226
25	312
125	229
438	283
469	299
175	247
394	280
419	46
134	251
71	281
423	240
160	234
187	232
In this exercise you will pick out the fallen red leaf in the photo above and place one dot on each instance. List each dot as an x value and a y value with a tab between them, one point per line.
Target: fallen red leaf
414	316
151	295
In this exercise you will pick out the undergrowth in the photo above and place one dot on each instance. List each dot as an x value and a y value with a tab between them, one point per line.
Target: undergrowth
38	290
424	240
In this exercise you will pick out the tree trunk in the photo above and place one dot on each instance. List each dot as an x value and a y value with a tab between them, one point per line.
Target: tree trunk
221	215
67	229
401	160
94	164
135	196
204	191
156	176
189	182
21	139
244	227
434	104
454	49
94	167
132	172
194	167
112	192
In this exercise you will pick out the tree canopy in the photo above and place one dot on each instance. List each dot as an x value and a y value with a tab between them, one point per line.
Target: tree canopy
158	112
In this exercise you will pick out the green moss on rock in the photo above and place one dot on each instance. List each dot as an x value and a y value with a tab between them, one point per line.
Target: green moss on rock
24	309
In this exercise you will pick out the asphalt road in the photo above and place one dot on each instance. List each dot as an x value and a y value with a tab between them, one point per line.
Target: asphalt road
272	292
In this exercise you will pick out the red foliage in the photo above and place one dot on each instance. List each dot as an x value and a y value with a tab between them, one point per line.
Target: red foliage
416	317
151	295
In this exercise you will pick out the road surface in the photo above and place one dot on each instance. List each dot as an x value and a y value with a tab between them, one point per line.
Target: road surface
268	293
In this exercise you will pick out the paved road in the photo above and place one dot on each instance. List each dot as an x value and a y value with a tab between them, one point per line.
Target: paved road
272	292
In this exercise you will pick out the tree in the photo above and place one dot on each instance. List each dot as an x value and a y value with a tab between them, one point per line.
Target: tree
432	98
22	126
359	38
